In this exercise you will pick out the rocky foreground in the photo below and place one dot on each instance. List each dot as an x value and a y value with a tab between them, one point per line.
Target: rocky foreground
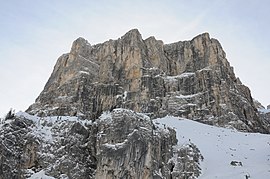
119	144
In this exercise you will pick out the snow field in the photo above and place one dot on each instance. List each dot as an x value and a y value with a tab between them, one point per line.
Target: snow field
220	147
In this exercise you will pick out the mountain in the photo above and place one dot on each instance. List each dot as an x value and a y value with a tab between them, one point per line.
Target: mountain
135	108
190	79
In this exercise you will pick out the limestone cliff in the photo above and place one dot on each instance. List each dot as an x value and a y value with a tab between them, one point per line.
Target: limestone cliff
120	144
190	79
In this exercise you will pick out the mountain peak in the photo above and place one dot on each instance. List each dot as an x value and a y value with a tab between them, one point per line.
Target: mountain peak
133	36
79	46
190	79
204	35
134	32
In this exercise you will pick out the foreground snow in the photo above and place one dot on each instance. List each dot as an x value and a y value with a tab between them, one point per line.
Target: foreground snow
221	146
39	175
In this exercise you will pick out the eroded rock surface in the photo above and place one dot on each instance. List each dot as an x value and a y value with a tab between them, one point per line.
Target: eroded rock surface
130	145
190	79
57	146
120	144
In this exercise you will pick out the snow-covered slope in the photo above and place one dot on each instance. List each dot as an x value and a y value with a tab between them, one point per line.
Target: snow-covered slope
59	144
228	154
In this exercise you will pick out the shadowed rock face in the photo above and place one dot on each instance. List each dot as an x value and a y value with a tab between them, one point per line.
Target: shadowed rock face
191	79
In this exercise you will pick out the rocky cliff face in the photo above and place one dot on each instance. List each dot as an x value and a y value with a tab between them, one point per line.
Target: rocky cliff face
120	144
264	113
131	146
191	79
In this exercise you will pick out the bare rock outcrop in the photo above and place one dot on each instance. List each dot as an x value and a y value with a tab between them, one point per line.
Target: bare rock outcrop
264	114
55	146
131	146
120	144
190	79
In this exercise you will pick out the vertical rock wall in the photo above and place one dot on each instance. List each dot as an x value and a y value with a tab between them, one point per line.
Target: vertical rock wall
191	79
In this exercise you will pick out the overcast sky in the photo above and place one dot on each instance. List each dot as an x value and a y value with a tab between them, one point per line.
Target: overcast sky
35	33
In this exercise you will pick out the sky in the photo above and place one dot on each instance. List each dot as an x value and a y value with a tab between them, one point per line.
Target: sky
35	33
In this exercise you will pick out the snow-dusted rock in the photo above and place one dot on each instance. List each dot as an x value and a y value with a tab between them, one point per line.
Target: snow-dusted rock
119	144
131	146
50	146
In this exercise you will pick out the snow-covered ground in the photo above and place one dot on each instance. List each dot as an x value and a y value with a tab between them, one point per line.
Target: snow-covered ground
221	146
39	175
